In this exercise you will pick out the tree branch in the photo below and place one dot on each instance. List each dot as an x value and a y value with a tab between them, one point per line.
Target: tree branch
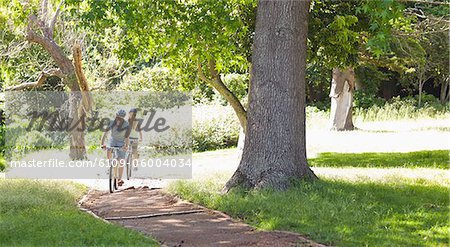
119	75
44	11
32	36
42	77
32	22
201	74
51	27
49	45
77	61
81	78
217	83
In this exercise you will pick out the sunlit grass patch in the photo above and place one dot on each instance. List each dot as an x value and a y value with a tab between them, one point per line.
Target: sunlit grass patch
44	213
424	176
338	212
429	159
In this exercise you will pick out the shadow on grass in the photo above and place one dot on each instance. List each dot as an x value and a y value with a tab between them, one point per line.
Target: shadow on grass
374	131
427	159
341	213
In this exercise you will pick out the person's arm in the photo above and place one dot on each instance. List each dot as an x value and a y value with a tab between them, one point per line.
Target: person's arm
102	142
138	129
127	142
127	137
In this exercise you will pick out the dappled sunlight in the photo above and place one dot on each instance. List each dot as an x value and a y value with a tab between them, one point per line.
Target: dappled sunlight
123	123
364	141
386	175
171	220
340	212
437	159
406	125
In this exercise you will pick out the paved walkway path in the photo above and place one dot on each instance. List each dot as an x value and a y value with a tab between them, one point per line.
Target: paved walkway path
174	222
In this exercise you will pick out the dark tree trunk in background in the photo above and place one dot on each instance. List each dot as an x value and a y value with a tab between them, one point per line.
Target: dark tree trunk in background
275	148
388	89
341	94
445	90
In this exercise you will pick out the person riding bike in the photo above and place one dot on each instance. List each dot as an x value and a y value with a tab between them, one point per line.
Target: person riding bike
135	130
119	138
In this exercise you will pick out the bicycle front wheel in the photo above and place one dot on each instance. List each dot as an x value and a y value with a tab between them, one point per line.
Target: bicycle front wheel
112	180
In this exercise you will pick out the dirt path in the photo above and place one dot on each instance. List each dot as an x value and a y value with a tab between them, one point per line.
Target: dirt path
198	226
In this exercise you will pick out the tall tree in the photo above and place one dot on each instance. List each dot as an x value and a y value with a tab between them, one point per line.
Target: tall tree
275	148
40	30
429	38
205	39
346	34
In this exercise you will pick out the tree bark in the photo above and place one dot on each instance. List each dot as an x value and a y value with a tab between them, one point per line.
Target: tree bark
341	94
77	143
275	148
42	78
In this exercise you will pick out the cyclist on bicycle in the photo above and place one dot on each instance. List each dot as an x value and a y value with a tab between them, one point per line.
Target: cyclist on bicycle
135	130
119	138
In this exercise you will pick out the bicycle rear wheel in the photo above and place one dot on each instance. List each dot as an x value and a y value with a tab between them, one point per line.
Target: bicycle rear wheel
112	180
128	166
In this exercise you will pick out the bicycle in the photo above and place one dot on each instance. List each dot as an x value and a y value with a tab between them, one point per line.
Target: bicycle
129	159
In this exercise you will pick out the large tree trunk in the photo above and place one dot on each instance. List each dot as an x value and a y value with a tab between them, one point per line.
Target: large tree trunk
341	94
275	148
76	113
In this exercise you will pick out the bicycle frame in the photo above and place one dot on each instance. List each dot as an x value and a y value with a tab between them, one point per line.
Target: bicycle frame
114	169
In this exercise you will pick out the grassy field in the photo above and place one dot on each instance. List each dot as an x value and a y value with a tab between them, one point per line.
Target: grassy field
429	159
43	213
338	212
366	199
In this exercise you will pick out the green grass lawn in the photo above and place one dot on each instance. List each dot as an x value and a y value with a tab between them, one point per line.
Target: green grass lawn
38	213
394	211
428	159
337	212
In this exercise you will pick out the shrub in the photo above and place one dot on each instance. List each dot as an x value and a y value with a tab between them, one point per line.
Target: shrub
215	127
237	83
402	108
316	117
32	141
156	79
428	100
366	100
19	140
